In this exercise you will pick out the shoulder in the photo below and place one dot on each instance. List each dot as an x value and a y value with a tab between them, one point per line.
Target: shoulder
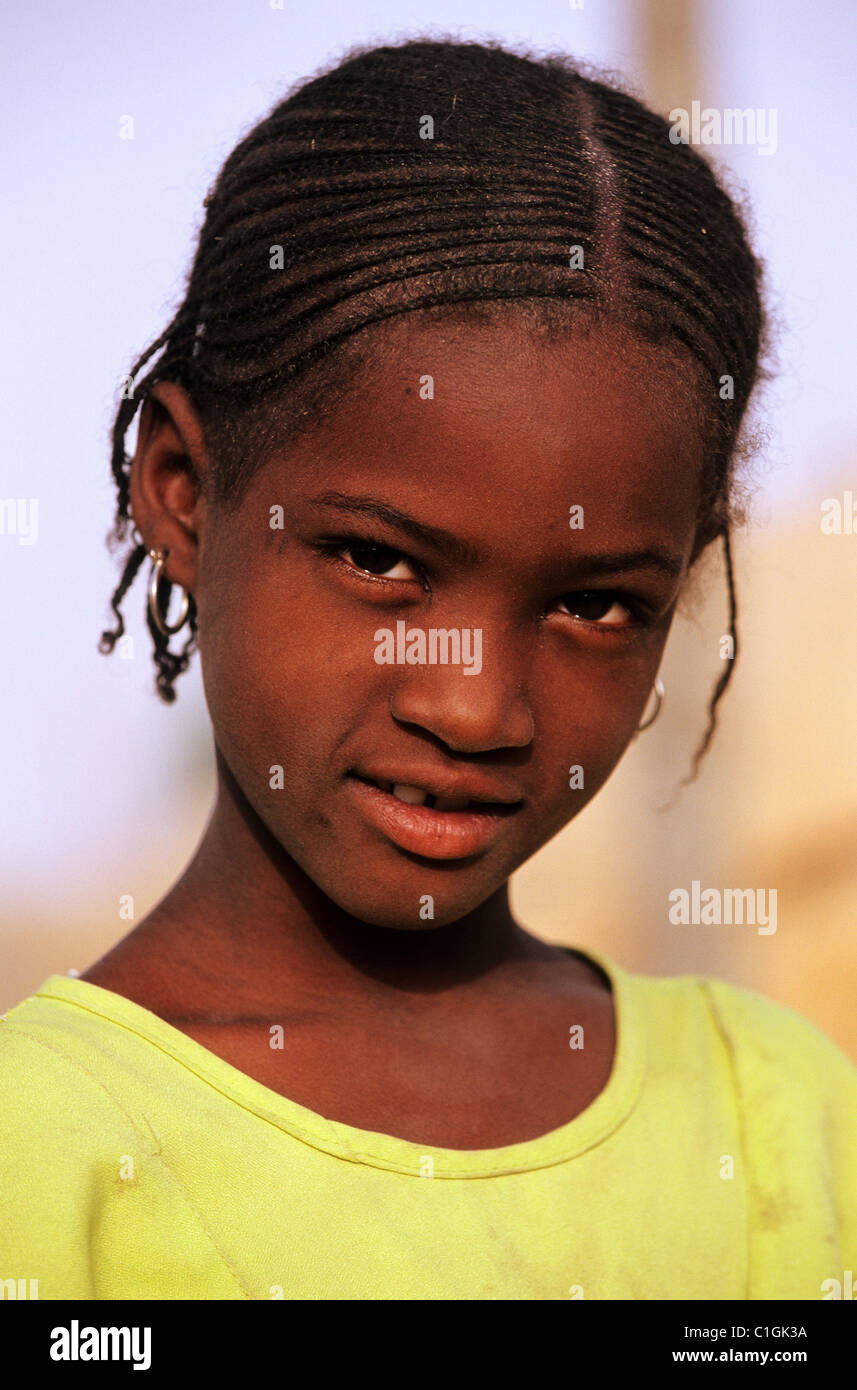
767	1036
61	1101
61	1138
784	1072
754	1029
89	1206
785	1090
796	1094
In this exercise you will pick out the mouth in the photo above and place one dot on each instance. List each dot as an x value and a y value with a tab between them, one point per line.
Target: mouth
430	824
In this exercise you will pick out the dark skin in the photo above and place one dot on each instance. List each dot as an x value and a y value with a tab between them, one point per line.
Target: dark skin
453	1031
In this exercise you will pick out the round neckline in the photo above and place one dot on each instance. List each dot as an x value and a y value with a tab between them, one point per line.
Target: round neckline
375	1148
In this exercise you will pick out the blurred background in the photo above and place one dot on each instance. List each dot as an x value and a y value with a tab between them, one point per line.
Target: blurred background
107	790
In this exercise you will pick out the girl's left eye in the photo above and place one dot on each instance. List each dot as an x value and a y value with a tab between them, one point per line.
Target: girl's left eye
382	561
599	606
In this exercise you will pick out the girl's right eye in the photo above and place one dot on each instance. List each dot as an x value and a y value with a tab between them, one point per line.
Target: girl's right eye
382	561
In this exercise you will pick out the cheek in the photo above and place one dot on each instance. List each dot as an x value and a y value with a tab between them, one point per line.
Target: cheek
285	678
589	707
586	714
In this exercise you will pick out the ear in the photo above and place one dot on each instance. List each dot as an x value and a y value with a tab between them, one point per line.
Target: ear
169	473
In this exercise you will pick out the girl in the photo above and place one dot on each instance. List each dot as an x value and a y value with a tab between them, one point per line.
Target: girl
461	367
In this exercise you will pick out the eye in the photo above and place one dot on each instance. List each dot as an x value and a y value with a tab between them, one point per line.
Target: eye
380	560
600	606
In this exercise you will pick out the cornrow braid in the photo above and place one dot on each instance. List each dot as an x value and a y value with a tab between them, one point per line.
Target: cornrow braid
129	573
726	676
436	174
171	664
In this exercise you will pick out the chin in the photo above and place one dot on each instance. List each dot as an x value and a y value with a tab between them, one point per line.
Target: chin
408	911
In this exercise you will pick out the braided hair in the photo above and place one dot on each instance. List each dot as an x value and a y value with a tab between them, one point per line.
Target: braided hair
435	175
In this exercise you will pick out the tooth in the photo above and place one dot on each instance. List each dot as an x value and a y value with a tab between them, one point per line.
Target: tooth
451	803
414	796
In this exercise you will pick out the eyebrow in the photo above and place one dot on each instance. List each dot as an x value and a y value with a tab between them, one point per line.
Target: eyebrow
443	541
654	557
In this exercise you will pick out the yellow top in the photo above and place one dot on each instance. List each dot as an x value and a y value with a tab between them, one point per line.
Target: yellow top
720	1161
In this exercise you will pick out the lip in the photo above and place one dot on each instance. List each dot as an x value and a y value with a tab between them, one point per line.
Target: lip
428	832
442	783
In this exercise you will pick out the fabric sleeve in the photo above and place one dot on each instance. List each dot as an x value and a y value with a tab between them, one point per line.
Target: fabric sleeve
87	1205
798	1103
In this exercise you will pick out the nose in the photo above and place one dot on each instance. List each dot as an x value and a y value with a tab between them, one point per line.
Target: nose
470	713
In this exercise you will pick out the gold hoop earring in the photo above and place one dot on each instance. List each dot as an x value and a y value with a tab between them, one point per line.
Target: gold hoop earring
659	699
158	558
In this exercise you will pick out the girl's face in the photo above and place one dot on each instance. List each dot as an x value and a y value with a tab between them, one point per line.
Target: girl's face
531	506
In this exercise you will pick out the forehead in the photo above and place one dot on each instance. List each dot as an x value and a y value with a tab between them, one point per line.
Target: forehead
517	421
